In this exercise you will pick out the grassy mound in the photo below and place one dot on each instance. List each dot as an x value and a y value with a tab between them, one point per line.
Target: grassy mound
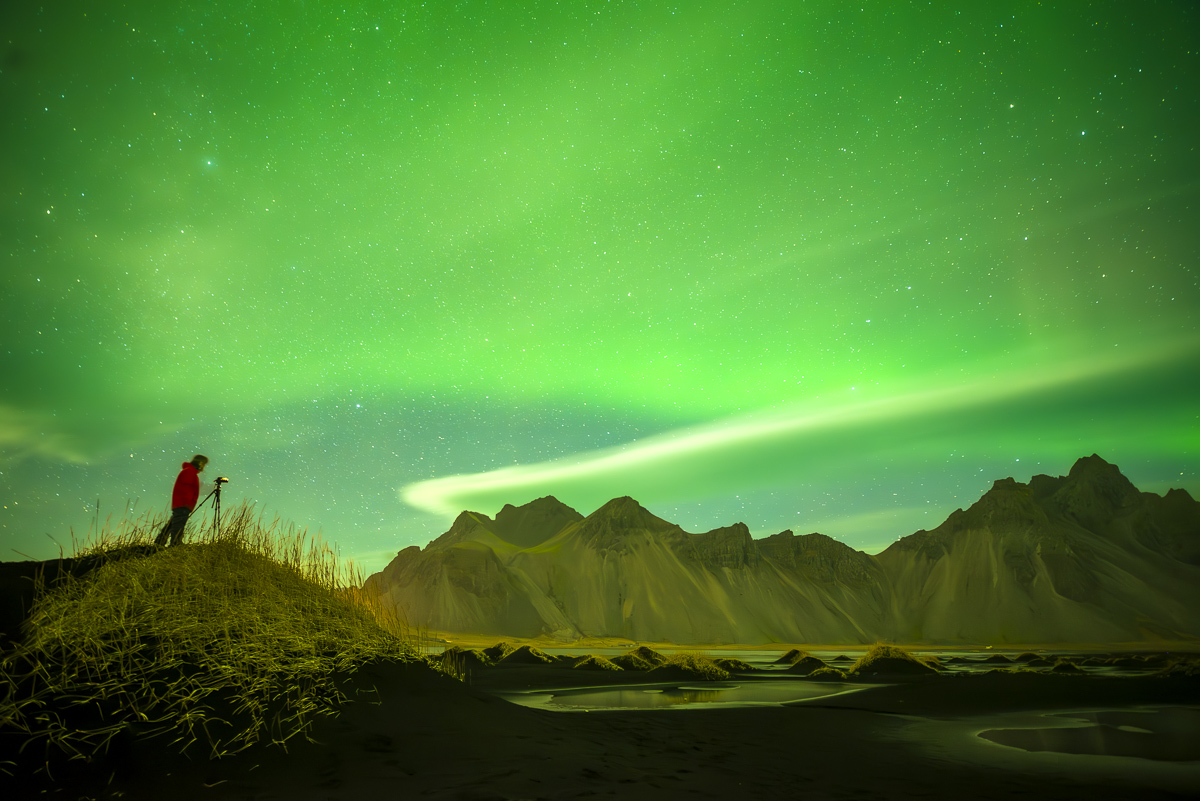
459	661
827	674
648	654
498	651
1186	666
632	662
791	657
527	655
805	665
243	637
640	658
732	665
932	661
690	666
594	662
888	660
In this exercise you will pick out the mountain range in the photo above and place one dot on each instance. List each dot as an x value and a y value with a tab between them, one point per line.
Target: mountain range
1079	558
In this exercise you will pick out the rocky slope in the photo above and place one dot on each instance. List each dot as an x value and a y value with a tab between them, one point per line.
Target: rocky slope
1077	558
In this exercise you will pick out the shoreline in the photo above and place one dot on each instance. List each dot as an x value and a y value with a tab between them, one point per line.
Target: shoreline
445	640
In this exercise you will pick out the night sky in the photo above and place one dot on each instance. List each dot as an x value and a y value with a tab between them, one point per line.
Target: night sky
801	265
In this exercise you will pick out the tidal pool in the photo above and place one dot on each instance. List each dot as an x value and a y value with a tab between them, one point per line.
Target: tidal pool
659	696
1169	734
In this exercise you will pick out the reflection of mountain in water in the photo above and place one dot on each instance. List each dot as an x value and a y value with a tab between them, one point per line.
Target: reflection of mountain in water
1078	558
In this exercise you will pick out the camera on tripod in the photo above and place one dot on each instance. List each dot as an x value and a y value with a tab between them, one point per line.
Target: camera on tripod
215	495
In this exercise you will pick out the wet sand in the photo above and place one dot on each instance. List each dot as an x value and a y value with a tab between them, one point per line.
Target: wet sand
415	734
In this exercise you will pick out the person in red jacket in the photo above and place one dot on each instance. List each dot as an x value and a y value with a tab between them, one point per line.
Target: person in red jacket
183	501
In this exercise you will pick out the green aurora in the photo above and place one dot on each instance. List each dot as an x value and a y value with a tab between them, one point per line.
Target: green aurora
796	264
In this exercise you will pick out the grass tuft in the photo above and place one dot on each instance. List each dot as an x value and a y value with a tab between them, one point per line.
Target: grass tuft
242	636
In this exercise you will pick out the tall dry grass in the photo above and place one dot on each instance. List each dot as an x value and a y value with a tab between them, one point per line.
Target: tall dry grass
240	636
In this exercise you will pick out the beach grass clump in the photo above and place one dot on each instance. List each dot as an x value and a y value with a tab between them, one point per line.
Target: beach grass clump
883	659
245	635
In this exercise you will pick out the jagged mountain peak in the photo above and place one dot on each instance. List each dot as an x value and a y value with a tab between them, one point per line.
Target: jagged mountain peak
628	511
545	503
522	526
1179	495
1102	478
467	526
616	520
1090	496
535	522
1093	492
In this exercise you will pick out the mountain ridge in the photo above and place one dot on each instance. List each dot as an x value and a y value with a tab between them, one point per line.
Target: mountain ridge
1081	557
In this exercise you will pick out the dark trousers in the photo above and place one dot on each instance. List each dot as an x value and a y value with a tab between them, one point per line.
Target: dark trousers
172	532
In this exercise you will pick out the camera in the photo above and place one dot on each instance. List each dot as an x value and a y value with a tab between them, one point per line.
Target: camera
221	480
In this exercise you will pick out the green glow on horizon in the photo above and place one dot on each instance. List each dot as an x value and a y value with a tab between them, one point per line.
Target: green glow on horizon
349	251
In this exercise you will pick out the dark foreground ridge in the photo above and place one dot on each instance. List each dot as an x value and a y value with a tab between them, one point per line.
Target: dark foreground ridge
408	731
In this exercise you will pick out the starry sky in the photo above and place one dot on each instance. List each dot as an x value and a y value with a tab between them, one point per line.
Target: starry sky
811	265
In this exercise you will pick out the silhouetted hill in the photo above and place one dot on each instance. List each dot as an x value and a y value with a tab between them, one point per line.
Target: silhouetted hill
1081	557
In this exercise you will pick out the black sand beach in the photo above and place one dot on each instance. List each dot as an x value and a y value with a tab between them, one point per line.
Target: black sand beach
413	733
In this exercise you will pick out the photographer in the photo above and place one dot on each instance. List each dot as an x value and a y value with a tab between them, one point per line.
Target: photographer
183	501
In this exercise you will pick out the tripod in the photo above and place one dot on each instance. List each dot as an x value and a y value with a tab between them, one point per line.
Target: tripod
219	482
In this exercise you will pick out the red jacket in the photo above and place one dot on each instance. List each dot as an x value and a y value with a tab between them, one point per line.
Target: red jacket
187	487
